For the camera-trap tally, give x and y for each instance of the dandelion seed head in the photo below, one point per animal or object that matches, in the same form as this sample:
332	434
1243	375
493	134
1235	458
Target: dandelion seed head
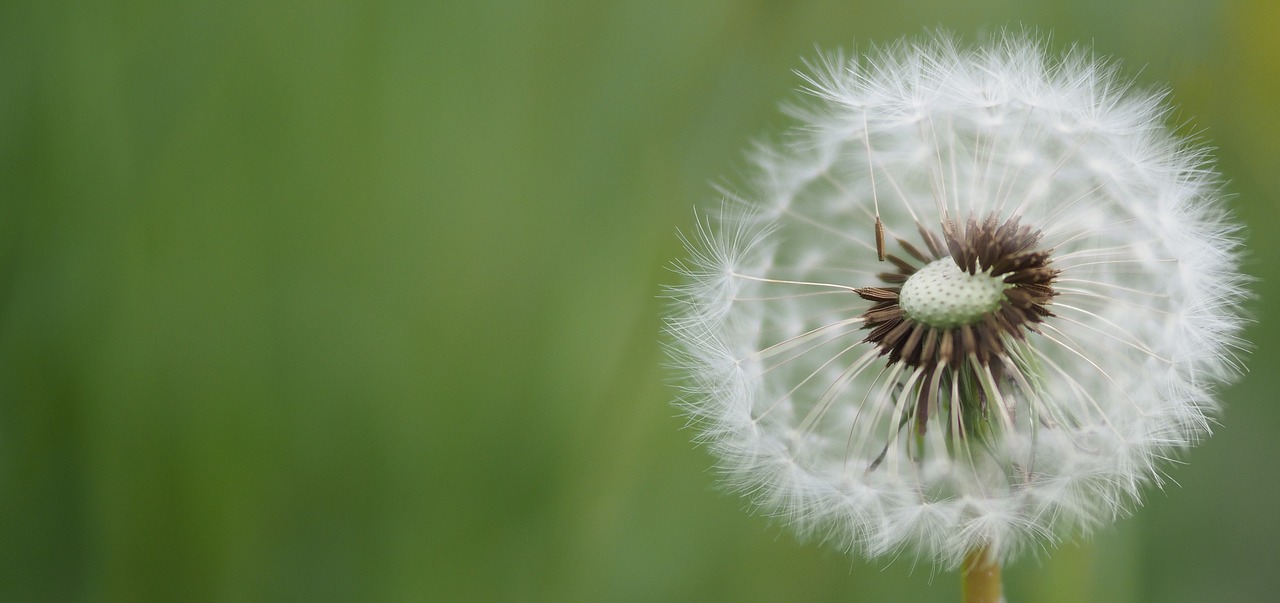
1056	307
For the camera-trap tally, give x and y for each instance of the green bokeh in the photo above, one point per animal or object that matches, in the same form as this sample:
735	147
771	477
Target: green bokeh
338	301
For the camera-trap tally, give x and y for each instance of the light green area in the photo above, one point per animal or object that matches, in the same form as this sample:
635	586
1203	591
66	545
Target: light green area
341	301
944	296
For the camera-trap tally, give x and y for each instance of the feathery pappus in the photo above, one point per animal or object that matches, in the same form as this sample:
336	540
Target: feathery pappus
974	299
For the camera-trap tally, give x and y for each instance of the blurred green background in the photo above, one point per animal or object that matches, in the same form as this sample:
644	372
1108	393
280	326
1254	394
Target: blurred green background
336	301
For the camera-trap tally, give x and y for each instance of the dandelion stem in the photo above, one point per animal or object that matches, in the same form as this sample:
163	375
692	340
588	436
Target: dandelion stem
980	577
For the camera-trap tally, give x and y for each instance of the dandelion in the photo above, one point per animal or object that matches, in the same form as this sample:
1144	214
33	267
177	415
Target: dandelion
969	307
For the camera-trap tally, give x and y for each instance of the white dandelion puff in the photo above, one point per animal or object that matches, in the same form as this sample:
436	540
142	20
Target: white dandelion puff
973	302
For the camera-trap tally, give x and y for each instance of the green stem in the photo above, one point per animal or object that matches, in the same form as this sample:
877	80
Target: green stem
980	577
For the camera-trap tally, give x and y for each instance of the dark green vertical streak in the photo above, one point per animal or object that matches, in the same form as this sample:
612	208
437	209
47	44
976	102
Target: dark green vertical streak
65	163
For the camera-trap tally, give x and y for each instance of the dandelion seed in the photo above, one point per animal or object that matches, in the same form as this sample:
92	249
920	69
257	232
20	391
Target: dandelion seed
1056	305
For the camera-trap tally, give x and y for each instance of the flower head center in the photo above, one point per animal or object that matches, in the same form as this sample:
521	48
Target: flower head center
943	296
